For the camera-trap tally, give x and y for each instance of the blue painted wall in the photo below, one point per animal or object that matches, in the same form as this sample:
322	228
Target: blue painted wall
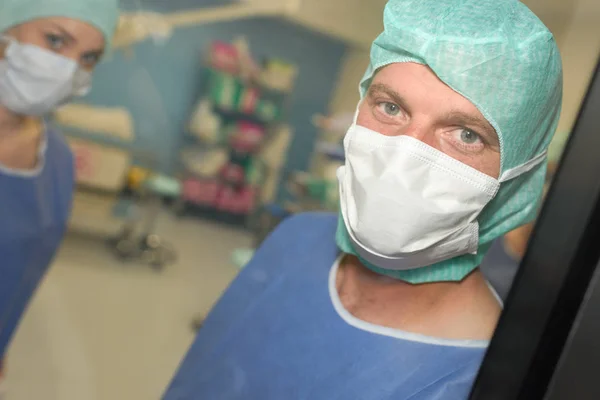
172	5
161	84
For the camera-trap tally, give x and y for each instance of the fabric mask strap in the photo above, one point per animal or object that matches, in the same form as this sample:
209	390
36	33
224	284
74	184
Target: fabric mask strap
523	168
355	120
5	39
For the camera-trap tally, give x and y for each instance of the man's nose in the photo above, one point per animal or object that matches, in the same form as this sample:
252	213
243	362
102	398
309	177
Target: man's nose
420	131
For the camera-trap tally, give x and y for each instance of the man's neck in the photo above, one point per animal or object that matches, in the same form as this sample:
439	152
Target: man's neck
451	310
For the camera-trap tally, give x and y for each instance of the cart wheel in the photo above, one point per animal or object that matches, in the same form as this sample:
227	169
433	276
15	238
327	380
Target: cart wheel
158	259
126	249
158	266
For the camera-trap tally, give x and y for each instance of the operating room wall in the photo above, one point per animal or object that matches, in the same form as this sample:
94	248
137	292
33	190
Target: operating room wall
345	96
161	84
577	33
171	5
580	47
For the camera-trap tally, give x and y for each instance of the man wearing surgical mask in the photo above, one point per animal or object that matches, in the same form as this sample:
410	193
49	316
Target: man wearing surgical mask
48	51
386	301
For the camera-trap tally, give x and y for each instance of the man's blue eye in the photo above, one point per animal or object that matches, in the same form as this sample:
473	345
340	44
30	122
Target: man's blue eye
391	109
468	136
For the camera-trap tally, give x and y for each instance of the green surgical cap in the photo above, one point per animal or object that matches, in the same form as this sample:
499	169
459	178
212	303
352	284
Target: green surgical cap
501	57
103	14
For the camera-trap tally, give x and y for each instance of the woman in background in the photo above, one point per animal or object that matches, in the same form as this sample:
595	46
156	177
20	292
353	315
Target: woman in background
48	50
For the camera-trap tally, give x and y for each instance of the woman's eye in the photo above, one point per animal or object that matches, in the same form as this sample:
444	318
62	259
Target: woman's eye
89	60
55	42
469	137
390	109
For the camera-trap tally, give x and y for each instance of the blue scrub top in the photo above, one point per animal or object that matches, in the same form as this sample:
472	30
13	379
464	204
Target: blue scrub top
281	332
500	268
34	208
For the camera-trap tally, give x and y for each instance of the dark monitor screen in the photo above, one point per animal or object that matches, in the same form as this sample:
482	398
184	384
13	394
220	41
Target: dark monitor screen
555	273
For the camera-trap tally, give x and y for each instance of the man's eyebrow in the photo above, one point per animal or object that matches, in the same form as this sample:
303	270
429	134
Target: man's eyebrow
483	127
377	88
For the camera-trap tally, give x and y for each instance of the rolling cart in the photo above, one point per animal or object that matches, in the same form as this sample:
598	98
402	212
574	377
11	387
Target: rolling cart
142	209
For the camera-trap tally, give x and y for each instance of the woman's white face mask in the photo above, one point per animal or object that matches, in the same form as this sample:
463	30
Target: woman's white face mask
35	81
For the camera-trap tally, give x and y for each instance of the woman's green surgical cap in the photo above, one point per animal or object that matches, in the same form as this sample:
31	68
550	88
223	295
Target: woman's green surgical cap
103	14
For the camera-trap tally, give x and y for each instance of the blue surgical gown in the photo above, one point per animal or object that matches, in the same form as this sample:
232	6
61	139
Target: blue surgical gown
34	207
280	332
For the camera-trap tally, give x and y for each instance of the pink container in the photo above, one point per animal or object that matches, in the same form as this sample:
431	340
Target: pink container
245	200
236	201
226	199
200	192
84	163
224	56
247	137
233	173
249	100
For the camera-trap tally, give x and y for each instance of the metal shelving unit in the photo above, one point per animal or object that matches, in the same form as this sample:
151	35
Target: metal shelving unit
230	116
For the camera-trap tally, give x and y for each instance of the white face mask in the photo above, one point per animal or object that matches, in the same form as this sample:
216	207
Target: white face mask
407	205
35	81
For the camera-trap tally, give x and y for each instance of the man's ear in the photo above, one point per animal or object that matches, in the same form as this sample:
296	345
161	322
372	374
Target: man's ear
517	239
